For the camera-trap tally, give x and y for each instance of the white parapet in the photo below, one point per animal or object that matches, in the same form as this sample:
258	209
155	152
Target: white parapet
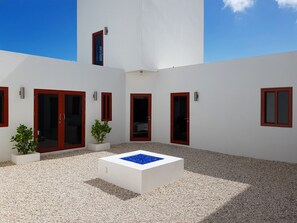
140	178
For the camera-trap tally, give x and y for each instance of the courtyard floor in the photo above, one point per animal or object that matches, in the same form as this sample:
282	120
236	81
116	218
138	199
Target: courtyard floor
215	188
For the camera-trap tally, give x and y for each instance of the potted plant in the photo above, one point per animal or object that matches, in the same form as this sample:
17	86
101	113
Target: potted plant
99	132
26	146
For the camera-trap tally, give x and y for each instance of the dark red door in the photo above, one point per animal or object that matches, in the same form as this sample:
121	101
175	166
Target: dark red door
140	117
180	118
59	119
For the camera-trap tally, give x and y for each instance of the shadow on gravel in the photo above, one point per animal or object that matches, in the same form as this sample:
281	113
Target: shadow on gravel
65	154
271	197
112	189
6	164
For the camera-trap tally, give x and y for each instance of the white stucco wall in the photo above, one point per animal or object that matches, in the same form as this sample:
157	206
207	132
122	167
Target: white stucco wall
140	83
122	46
143	34
172	33
31	72
226	118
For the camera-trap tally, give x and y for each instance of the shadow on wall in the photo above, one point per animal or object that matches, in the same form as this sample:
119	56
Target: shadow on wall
9	63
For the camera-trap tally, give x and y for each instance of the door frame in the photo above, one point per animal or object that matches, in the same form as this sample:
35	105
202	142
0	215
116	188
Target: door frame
132	96
172	140
61	110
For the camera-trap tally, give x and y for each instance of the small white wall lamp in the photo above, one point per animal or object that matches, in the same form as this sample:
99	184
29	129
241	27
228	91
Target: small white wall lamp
196	96
105	31
95	96
22	93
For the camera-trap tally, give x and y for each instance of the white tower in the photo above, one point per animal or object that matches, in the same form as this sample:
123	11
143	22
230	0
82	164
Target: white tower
142	34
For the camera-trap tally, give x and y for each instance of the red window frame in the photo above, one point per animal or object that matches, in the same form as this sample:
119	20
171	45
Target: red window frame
5	109
263	107
94	35
106	106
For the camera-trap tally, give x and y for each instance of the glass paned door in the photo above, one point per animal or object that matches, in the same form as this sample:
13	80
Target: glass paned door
59	119
140	127
73	120
48	120
180	118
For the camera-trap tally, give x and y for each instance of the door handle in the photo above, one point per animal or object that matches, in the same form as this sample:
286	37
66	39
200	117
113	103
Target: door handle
60	117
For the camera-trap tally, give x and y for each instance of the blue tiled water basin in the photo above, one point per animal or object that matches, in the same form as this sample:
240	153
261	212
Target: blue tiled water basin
141	159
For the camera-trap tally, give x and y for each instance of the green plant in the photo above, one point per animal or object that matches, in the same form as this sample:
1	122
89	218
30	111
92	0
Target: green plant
24	140
99	130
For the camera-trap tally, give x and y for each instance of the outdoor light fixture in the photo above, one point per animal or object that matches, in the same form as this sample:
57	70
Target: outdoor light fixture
196	96
22	93
95	96
105	31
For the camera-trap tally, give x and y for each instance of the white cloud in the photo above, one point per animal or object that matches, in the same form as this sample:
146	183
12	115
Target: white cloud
287	3
241	5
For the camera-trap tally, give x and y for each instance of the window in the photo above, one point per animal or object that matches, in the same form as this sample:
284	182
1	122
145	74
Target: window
276	107
97	50
106	106
3	106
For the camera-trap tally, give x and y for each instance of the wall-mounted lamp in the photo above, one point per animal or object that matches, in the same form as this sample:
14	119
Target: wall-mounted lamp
105	31
95	96
196	96
22	93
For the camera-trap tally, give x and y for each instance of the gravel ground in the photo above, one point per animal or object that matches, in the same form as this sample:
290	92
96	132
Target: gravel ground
215	188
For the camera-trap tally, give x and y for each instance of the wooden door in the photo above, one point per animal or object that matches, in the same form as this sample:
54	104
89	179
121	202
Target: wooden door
140	117
180	118
59	119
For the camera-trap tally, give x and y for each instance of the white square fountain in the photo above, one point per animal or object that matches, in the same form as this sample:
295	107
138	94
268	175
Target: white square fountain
140	171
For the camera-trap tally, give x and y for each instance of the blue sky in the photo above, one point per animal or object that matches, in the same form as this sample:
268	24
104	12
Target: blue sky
244	28
39	27
233	28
